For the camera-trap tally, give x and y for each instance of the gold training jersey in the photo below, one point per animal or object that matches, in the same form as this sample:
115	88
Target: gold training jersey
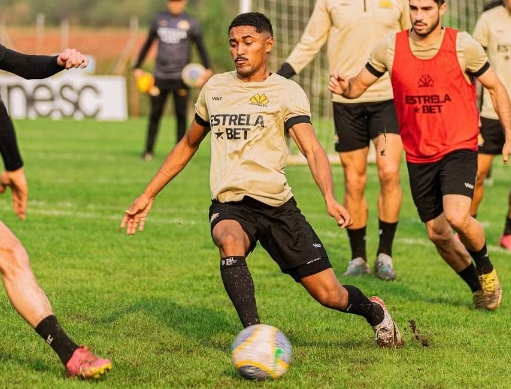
493	31
352	28
249	137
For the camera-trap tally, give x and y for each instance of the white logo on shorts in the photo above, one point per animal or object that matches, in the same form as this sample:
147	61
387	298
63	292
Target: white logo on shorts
469	185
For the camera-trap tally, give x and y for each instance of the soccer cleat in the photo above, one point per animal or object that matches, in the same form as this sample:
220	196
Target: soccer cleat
147	156
490	295
357	267
386	333
505	242
383	267
85	364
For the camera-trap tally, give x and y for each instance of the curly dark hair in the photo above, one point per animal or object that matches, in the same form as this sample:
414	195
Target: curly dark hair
255	19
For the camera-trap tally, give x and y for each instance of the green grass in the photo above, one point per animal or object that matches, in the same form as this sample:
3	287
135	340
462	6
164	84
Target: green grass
154	302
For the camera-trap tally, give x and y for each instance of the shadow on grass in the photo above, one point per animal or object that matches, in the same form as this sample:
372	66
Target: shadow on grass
201	324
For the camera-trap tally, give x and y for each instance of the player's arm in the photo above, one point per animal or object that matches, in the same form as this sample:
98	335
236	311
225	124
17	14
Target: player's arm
305	138
13	176
203	53
313	38
39	66
145	47
174	163
353	87
502	105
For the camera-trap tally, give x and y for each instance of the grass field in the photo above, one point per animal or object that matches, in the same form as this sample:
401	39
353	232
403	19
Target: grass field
154	302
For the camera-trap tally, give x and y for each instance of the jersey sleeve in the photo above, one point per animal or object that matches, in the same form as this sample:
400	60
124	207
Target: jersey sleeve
313	38
201	108
474	58
380	56
296	108
481	31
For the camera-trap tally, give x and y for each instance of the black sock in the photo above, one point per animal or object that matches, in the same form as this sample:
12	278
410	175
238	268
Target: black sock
239	286
358	243
50	330
469	275
507	229
482	260
387	232
359	304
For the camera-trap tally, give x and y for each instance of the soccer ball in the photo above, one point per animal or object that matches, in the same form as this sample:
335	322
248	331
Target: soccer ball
145	84
192	74
261	351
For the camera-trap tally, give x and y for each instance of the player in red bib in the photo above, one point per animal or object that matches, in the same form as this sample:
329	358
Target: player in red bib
432	70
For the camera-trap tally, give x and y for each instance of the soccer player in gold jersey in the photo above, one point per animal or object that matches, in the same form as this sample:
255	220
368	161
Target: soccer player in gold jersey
252	114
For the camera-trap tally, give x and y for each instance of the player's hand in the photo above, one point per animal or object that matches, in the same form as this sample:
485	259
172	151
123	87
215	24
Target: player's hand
506	152
339	213
137	73
337	84
136	214
72	58
17	181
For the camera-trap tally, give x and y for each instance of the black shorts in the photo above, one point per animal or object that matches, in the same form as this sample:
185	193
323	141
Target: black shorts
282	231
357	124
455	173
492	135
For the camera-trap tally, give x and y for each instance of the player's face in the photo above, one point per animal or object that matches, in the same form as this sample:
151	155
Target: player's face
425	16
176	7
249	50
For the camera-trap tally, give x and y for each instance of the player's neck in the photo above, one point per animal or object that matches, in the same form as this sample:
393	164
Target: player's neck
426	40
258	76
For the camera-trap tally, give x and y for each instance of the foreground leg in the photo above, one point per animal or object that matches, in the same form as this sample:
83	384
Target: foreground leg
389	200
354	164
32	304
233	243
326	289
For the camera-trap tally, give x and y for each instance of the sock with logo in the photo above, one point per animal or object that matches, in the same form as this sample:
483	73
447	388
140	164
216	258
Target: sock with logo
387	232
507	229
49	329
359	304
358	242
482	260
469	275
239	285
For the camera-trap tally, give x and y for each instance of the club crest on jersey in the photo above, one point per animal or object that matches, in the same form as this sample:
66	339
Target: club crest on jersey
260	100
426	81
385	4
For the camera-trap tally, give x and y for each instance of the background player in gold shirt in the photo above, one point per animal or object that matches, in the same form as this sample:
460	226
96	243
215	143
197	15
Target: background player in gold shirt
252	114
351	30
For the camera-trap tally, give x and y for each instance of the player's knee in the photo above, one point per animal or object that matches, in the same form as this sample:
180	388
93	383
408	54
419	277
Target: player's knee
355	184
459	221
229	241
388	175
439	236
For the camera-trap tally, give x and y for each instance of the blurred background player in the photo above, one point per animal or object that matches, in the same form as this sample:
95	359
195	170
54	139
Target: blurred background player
175	32
20	284
263	209
493	32
352	31
432	70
